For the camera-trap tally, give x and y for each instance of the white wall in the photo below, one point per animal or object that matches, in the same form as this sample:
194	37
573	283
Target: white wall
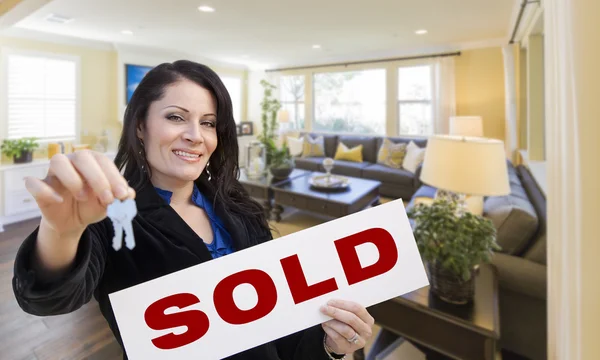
152	57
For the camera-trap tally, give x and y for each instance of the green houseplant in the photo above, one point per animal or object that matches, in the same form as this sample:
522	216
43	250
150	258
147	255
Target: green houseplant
282	163
452	243
21	150
278	160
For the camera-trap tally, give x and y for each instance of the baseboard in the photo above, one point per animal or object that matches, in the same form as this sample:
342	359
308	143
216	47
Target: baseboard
7	220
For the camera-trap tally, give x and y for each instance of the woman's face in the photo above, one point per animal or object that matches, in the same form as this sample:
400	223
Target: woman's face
180	133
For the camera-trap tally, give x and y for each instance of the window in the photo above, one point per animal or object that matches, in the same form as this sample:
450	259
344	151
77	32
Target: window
234	87
291	91
415	109
42	98
350	102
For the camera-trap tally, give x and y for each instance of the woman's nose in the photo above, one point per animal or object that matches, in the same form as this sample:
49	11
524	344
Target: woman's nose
194	133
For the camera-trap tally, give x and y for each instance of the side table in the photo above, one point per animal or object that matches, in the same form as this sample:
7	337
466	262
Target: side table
442	330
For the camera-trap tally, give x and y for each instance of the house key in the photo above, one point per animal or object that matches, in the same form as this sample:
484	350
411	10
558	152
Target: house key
121	214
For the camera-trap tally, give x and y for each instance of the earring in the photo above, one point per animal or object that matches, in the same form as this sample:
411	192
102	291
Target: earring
207	171
141	153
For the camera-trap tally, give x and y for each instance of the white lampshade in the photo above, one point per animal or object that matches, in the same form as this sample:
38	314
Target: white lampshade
467	165
466	126
283	116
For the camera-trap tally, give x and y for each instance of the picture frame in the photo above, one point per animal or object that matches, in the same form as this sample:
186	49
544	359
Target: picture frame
133	76
239	129
247	127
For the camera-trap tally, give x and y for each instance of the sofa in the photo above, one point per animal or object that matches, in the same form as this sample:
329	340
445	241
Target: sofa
395	183
520	219
522	275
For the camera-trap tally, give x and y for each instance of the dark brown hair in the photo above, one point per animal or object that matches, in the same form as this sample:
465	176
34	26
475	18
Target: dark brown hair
223	168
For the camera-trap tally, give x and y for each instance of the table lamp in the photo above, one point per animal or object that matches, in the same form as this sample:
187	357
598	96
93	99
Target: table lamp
283	116
458	166
466	126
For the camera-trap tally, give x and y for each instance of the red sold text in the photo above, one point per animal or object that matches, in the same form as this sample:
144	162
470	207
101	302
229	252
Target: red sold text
197	322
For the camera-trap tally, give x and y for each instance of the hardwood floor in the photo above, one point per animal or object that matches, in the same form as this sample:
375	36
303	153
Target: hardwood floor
82	334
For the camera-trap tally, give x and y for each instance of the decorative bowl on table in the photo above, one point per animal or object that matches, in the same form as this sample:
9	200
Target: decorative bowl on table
280	173
329	182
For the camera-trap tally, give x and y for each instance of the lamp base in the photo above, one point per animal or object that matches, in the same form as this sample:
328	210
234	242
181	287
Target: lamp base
457	198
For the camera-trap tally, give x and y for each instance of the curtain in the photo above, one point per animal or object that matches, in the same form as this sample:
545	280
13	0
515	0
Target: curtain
510	95
445	99
572	110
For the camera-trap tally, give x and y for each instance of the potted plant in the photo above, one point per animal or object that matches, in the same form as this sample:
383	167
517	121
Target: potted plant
282	163
452	243
278	160
21	150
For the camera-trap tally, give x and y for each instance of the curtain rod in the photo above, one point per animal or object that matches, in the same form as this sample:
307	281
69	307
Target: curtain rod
367	61
520	17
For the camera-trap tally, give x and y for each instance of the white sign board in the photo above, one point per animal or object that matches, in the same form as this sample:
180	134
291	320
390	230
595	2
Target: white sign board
271	290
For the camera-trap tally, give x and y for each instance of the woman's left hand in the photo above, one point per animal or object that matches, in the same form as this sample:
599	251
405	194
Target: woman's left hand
350	328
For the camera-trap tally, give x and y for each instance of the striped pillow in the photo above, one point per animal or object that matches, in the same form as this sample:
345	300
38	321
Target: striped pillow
391	155
313	147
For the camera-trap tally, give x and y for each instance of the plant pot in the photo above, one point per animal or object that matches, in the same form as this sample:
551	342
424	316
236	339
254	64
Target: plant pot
26	157
449	287
281	172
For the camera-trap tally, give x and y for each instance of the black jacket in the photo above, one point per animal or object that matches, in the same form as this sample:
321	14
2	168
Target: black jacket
164	244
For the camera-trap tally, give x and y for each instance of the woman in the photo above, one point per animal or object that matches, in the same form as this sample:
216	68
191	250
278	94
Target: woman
178	155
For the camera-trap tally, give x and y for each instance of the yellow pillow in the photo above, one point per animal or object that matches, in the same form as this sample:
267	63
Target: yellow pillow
391	154
313	147
343	153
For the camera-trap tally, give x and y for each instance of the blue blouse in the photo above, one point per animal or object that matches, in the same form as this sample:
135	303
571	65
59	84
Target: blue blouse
222	244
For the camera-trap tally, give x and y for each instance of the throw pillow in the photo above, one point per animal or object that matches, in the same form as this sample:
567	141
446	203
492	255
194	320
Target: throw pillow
313	147
414	157
353	154
390	154
295	145
515	220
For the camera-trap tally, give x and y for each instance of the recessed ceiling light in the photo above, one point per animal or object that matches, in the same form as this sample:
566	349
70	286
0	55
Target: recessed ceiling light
126	32
421	32
59	19
316	46
206	8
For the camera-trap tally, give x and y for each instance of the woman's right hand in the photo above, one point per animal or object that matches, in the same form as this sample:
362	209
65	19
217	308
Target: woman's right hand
77	190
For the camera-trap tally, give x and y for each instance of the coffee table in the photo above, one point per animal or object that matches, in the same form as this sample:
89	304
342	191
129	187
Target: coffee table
298	193
261	188
440	329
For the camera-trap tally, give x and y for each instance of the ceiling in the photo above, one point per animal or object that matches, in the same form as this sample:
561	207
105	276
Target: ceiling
276	33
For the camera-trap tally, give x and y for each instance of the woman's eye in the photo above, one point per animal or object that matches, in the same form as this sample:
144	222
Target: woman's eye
209	123
175	118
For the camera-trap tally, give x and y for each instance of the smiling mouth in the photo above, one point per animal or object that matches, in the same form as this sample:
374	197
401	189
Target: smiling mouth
187	156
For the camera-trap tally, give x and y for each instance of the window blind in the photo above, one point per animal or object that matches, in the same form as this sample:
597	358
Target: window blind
41	97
